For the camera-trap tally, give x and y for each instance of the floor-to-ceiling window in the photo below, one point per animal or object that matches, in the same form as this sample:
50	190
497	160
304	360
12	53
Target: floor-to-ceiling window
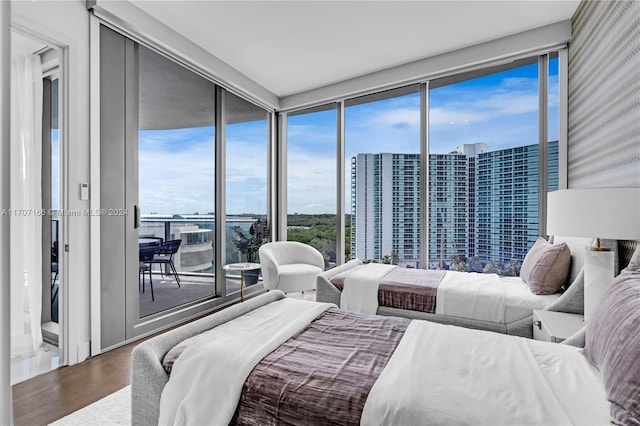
382	176
247	222
311	180
484	167
553	122
486	182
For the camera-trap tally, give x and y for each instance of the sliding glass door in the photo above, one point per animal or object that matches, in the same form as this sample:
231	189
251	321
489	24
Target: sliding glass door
176	184
166	134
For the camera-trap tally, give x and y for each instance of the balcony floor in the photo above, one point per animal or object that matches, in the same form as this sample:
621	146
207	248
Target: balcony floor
168	295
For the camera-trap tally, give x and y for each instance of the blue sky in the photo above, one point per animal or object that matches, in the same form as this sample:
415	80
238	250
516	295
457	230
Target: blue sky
176	167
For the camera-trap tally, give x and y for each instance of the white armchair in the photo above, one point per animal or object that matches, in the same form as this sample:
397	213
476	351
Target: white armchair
290	266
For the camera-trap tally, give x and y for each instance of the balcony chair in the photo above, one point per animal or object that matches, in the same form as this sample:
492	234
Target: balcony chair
164	256
290	266
145	258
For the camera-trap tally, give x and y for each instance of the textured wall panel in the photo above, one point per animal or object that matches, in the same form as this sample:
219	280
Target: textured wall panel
604	95
625	251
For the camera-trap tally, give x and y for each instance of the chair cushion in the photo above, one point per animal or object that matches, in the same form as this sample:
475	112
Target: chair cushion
297	277
546	266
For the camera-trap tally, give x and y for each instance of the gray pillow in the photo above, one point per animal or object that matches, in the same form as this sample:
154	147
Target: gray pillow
546	266
613	344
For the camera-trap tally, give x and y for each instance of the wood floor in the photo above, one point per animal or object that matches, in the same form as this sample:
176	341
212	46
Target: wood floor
51	396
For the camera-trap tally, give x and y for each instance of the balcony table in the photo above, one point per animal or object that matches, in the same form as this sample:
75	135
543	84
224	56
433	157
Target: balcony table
245	266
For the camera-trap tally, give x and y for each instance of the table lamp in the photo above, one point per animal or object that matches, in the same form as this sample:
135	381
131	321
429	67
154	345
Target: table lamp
611	213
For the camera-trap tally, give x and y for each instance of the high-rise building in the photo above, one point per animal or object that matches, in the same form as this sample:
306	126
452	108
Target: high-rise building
448	208
481	203
385	207
507	204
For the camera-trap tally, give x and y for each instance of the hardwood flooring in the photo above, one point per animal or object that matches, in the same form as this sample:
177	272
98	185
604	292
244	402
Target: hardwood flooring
53	395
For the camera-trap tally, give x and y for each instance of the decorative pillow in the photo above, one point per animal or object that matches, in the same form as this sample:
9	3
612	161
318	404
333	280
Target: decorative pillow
613	344
546	266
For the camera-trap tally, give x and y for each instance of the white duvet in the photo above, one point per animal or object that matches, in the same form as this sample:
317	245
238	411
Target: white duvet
471	295
447	375
360	290
483	297
206	380
438	375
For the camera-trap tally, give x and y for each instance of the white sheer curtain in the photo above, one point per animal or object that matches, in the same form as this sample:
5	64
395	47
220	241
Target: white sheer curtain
26	203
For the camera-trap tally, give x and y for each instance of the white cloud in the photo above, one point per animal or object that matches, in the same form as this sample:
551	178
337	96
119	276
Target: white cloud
397	117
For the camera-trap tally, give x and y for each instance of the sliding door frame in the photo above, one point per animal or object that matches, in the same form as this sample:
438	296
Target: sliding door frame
131	327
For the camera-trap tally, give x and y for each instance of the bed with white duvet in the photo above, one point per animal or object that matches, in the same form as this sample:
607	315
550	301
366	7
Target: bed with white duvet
437	374
475	300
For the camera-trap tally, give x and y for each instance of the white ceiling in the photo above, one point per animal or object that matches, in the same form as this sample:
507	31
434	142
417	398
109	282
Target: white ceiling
290	47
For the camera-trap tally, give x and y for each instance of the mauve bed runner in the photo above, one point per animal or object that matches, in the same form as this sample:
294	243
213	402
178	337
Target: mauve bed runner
403	288
324	374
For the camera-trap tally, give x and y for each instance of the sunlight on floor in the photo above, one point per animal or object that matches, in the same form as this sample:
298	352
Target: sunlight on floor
26	364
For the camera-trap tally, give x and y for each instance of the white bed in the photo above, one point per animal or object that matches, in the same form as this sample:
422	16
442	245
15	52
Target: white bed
438	374
485	301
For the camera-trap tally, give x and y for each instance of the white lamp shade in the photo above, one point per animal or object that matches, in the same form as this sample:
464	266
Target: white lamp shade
612	213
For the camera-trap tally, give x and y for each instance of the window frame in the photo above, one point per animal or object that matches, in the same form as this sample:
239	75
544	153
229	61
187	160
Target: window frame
434	80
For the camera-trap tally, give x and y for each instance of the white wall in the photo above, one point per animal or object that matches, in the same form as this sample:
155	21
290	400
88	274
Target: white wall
66	24
5	334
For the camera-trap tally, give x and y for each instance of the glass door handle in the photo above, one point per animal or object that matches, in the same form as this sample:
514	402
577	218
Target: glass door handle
136	216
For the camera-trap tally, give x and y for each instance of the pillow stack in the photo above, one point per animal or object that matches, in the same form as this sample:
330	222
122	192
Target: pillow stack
613	344
546	266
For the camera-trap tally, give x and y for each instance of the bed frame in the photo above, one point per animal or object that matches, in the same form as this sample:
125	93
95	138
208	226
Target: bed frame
572	300
148	377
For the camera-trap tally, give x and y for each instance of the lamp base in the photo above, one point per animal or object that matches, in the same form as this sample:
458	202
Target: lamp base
591	248
598	247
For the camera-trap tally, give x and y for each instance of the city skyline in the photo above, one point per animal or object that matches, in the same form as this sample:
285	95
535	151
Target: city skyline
481	203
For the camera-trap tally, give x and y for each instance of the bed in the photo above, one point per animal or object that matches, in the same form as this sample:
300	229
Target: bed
483	301
278	360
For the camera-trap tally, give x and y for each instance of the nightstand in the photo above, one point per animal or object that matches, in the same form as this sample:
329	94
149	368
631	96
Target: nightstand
555	327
